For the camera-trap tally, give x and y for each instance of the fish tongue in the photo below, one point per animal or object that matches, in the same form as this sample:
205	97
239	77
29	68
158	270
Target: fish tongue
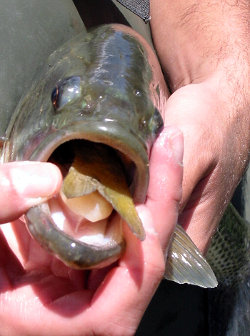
74	223
106	231
97	168
94	207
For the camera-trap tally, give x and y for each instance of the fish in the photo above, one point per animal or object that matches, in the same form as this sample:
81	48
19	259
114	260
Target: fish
229	257
100	93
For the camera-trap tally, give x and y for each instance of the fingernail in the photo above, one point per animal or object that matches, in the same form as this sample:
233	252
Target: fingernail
35	180
174	143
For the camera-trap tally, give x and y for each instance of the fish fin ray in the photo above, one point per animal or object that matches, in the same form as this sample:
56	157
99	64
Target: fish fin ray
185	264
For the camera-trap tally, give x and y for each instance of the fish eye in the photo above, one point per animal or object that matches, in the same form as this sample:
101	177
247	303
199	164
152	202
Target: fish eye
66	91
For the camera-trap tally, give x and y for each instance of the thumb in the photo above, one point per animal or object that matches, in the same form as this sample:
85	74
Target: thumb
165	186
25	184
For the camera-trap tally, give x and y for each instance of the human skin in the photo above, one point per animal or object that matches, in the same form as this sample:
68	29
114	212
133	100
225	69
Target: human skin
203	48
41	296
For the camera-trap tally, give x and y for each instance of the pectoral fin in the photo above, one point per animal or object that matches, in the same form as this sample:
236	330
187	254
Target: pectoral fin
185	264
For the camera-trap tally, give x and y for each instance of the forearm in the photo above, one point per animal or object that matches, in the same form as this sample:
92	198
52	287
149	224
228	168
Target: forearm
207	42
203	49
196	38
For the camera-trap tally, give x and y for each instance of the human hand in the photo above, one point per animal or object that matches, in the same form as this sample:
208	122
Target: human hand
215	156
26	184
202	47
41	296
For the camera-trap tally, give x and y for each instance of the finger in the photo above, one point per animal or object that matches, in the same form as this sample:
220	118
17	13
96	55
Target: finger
127	290
165	190
25	184
143	264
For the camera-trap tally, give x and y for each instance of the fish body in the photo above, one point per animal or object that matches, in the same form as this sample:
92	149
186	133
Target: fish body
229	256
103	87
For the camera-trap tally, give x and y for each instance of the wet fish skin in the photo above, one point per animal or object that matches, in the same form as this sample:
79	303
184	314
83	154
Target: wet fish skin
229	256
105	87
229	251
118	104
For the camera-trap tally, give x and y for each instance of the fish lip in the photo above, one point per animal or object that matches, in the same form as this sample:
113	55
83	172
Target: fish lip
108	132
73	253
39	219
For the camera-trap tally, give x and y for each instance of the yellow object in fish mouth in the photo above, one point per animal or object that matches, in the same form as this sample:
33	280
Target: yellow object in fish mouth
96	184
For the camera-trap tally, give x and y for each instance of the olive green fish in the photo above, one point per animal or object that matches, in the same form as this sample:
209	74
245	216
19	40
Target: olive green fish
229	256
100	90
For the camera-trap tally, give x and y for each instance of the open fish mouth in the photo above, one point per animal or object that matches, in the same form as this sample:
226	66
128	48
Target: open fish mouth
95	112
83	224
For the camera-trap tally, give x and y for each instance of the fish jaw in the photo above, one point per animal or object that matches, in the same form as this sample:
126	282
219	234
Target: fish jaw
40	222
73	253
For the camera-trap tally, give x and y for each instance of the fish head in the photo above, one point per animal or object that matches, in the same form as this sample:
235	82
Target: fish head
97	88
